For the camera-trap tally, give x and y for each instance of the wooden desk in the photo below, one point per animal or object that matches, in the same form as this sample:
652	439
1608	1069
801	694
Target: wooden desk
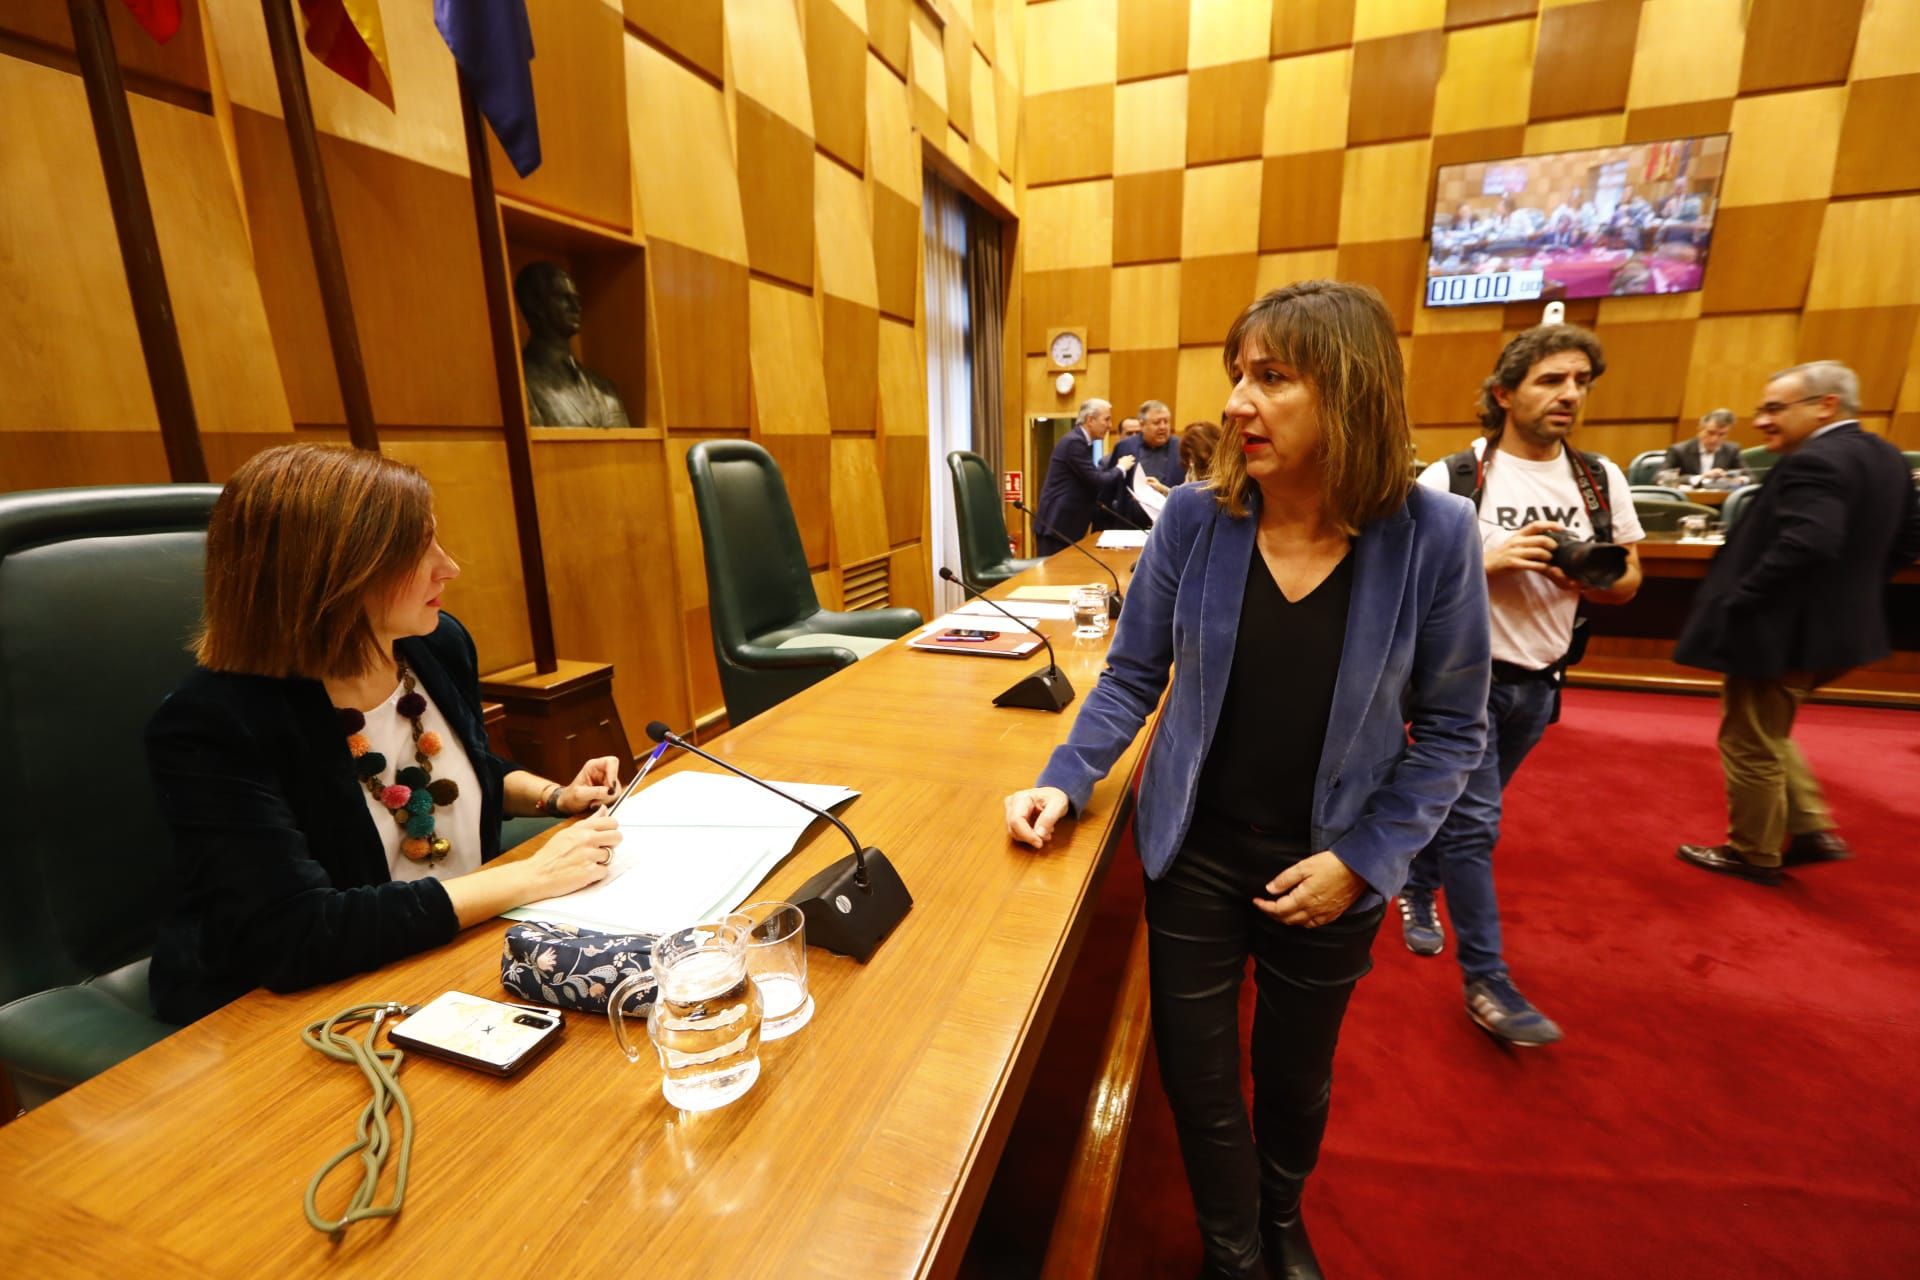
864	1150
1632	645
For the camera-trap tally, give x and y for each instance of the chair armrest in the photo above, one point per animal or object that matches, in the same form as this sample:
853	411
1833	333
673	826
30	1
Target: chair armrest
881	624
761	656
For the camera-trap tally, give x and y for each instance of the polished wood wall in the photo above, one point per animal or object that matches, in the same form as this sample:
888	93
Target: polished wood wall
1186	156
736	187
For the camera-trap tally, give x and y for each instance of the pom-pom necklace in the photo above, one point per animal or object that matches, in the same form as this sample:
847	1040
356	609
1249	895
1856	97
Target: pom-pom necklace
413	794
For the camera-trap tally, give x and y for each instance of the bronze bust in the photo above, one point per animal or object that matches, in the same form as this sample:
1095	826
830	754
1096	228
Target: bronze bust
560	391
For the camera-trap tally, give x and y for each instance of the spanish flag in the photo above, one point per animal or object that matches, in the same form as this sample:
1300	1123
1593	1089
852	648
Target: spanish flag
161	18
347	37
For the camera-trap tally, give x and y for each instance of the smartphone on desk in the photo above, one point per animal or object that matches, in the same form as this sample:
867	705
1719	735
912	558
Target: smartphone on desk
487	1035
964	635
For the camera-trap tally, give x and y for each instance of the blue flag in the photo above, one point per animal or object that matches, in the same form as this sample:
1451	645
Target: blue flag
493	44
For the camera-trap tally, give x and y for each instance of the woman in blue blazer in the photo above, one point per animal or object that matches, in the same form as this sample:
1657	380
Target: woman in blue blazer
1325	621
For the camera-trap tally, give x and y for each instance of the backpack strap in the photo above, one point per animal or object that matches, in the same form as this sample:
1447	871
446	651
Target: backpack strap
1463	476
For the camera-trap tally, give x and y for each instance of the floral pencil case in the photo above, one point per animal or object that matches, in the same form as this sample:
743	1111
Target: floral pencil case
573	968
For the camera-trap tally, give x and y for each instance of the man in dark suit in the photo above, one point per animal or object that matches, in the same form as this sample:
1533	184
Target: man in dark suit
1075	486
1795	599
1708	451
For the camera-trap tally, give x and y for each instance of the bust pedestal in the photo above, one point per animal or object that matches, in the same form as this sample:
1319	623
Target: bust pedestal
558	720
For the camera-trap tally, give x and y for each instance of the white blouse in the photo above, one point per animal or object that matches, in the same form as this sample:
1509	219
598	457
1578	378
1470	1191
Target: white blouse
391	734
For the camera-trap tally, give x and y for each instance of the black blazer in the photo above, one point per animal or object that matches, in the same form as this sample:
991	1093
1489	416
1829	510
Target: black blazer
1800	585
281	874
1685	457
1075	487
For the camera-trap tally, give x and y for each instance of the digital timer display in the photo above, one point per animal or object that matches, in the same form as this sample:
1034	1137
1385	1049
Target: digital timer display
1492	286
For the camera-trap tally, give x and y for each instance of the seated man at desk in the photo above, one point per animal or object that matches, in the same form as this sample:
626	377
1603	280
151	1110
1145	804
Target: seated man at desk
1708	452
325	769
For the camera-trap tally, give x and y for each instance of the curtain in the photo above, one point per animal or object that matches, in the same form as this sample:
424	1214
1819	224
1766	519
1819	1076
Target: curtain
986	298
950	377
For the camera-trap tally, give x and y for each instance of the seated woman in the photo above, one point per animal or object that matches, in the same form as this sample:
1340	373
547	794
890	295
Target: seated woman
1313	605
325	769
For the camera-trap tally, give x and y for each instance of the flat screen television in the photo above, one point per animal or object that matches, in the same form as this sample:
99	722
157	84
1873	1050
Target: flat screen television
1599	223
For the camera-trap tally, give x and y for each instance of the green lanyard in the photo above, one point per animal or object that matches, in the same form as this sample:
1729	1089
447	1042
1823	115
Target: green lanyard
375	1137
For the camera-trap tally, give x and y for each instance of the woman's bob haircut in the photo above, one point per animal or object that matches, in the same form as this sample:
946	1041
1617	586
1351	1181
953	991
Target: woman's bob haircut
1339	339
304	539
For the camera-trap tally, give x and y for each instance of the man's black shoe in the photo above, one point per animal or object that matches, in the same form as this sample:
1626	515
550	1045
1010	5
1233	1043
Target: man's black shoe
1815	846
1722	858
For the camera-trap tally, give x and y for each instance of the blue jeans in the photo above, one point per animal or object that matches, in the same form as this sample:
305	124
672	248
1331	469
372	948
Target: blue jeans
1459	858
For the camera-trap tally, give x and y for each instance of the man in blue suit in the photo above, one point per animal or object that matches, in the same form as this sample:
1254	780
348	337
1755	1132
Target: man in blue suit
1157	452
1795	598
1075	486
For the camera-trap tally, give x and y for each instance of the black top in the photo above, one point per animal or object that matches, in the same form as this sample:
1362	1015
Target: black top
1260	766
281	873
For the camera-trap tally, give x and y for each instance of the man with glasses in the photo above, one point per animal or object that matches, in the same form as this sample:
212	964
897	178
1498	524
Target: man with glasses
1795	599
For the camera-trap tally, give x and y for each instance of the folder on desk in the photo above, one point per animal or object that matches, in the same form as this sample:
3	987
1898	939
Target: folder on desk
1005	640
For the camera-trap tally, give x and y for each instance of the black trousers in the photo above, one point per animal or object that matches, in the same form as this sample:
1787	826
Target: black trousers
1202	925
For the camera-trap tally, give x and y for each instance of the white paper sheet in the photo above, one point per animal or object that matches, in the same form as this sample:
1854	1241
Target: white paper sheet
1039	610
961	619
1151	500
696	846
1120	539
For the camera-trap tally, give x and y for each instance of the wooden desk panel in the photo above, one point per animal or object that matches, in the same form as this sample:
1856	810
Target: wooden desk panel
864	1149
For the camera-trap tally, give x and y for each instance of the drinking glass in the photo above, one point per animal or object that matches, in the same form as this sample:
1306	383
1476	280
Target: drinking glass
1089	612
705	1025
1693	528
777	963
1669	479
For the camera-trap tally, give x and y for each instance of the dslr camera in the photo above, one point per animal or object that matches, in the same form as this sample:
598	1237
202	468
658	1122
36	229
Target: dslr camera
1589	563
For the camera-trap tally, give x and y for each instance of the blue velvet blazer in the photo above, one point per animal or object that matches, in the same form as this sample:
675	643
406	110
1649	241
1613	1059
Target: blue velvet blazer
1409	718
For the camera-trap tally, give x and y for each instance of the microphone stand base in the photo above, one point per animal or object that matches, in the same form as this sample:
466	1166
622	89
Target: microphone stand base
847	919
1046	690
1113	606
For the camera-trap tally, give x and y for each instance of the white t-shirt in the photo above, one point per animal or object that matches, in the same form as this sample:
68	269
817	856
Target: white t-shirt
1532	618
391	734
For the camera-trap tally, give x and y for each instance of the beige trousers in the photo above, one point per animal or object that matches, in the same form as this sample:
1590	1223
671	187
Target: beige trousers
1771	794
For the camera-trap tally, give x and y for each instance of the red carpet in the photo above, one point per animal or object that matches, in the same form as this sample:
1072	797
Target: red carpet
1739	1091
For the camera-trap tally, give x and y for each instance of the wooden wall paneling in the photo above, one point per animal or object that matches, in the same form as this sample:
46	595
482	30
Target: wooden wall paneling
910	578
850	340
1607	129
417	289
896	250
1071	43
1009	112
1300	198
700	310
1218	34
1074	298
1071	134
1680	120
776	166
1646	374
806	465
1478	144
696	32
956	45
1791	44
1467	13
1220	211
1687	50
783	339
859	502
683	156
1041	397
959	152
1621	441
146	65
468	472
1869	255
1146	307
836	79
1583	59
1488	80
1877	151
1069	225
1889	43
1147	213
927	79
1639	308
1222	123
1373	19
844	239
767	60
889	32
1784	146
1149	128
1151	39
1139	376
1430	444
893	157
702	673
425	123
1307	28
1306	103
611	578
580	91
1762	256
1370	171
986	118
902	382
904	476
61	458
1397	268
1733	356
1443	382
1460	320
1279	269
1213	292
1401	75
1873	341
1200	386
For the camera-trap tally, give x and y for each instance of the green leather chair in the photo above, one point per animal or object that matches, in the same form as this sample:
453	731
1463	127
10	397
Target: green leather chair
1736	503
1758	460
99	595
759	592
1663	515
1656	493
1645	466
984	559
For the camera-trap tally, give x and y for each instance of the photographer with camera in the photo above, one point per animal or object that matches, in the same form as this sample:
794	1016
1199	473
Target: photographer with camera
1556	527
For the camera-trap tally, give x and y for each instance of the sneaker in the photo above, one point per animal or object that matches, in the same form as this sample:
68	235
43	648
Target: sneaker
1497	1005
1420	923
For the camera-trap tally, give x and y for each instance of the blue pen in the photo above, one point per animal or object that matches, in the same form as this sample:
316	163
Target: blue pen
646	767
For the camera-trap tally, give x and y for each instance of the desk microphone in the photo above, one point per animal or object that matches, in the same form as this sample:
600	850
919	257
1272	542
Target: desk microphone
1123	519
1047	690
854	903
1113	601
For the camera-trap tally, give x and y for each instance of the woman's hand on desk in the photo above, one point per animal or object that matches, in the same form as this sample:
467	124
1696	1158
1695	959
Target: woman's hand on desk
598	782
1031	814
1313	891
573	858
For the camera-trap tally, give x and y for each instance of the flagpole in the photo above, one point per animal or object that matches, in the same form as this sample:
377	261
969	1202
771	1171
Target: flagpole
322	236
139	243
506	368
